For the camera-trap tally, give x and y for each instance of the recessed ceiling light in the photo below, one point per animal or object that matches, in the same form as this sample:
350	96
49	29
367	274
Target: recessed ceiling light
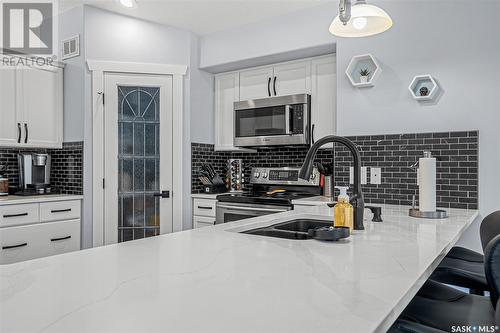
128	3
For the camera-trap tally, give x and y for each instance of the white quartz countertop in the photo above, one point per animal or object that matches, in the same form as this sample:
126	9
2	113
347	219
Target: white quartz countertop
215	279
210	196
17	199
314	201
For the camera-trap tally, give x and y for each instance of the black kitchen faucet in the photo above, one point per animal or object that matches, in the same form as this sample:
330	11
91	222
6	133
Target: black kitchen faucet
356	199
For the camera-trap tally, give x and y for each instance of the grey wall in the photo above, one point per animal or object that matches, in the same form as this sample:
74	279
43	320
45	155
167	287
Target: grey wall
287	37
71	24
460	56
109	36
431	37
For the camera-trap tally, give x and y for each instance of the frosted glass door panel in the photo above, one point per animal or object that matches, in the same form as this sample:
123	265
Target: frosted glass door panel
138	162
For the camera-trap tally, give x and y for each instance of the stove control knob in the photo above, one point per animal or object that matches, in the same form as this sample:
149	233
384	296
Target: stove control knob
256	175
264	175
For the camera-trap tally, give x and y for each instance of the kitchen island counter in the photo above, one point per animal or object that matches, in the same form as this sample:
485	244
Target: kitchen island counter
216	279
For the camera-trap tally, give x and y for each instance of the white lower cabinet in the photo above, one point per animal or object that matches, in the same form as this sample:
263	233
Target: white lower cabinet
204	211
201	221
41	229
38	240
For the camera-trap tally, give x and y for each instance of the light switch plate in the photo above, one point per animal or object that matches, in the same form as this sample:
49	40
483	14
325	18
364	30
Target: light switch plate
351	175
364	175
376	176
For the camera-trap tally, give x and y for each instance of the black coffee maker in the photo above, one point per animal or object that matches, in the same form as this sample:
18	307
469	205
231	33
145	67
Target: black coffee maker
34	173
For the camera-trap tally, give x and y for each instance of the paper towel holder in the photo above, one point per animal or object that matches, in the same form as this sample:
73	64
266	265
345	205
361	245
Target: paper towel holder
415	212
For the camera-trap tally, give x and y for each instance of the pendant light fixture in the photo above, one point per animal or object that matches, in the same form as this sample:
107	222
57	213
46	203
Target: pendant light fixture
359	20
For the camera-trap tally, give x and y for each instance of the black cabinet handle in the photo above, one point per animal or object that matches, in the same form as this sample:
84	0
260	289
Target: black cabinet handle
269	87
13	246
59	239
60	210
204	207
274	86
26	133
18	132
14	215
162	194
312	133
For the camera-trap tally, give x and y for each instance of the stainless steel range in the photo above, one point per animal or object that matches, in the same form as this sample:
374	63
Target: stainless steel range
273	190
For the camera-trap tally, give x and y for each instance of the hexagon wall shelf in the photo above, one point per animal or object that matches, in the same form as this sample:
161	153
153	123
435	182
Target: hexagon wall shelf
423	87
359	62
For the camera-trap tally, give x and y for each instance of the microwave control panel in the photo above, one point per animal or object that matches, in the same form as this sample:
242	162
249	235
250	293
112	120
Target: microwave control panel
298	119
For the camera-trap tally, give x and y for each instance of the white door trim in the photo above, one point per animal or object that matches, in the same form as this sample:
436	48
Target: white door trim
135	67
98	68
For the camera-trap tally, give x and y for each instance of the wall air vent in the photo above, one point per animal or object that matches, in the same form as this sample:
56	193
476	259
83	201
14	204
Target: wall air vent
71	47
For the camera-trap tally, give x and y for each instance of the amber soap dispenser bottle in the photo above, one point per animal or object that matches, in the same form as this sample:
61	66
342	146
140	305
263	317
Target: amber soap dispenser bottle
343	215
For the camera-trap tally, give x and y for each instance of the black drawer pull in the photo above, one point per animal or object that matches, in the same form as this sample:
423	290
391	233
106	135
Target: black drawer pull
59	239
204	207
13	246
61	210
14	215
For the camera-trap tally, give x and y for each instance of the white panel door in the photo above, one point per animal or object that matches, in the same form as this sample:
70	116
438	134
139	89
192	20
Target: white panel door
292	78
226	93
10	128
42	106
256	83
323	97
137	156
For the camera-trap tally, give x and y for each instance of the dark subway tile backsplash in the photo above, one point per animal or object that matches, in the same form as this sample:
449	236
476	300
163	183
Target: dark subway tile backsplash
67	166
396	154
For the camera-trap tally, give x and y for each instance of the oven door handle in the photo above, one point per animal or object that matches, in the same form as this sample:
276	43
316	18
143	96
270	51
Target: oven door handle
252	209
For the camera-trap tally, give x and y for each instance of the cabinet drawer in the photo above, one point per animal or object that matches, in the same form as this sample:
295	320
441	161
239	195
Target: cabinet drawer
60	237
18	243
59	210
11	215
38	240
204	207
201	221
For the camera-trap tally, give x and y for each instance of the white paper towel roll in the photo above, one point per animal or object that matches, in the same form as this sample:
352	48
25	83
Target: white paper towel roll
427	184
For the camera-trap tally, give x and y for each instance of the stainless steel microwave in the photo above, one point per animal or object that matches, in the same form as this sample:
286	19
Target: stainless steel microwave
274	121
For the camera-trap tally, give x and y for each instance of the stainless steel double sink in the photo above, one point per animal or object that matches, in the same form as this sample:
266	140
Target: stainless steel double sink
293	229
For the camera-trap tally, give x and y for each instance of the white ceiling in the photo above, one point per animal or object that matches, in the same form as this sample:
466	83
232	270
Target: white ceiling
201	16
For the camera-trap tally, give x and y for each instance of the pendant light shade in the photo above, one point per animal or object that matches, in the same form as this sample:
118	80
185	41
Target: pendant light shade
366	20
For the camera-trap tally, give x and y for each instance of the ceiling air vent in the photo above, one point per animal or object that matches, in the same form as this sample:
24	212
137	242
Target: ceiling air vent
71	47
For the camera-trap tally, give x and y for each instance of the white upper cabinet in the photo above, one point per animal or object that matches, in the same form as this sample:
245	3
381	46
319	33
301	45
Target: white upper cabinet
10	126
292	78
280	80
323	97
42	106
256	83
226	93
314	76
32	107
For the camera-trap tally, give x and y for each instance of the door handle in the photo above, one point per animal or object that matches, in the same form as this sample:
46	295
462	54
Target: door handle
274	86
18	132
13	246
162	194
312	133
59	239
60	210
14	215
25	133
269	86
